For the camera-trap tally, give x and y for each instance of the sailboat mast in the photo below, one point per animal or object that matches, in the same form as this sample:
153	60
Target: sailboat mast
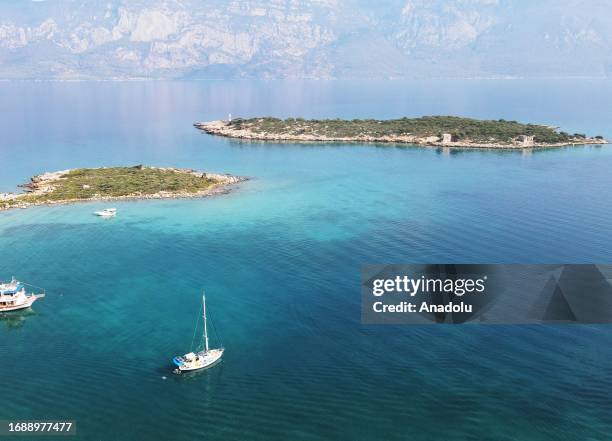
204	314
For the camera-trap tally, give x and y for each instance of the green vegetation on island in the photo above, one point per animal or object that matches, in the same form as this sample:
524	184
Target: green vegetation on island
431	130
459	128
115	183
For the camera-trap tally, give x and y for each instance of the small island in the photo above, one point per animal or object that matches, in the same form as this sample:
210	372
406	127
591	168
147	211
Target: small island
116	183
447	131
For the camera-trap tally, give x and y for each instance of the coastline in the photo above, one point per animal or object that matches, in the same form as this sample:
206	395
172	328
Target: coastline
44	184
223	128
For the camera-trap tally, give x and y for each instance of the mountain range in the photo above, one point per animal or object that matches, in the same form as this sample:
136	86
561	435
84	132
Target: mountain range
122	39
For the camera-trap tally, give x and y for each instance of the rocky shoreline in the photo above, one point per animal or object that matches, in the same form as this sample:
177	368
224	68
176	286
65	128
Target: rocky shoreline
224	128
45	184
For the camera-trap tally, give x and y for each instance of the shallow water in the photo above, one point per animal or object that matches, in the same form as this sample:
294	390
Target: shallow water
280	258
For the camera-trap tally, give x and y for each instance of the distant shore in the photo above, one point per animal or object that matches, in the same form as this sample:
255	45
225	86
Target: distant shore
441	131
116	184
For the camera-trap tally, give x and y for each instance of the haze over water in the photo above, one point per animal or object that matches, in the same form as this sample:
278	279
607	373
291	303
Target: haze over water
280	260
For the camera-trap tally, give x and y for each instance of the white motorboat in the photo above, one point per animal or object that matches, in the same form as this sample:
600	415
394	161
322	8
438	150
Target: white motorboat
107	212
13	296
202	359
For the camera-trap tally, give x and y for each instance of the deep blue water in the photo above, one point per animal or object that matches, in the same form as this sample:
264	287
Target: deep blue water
280	260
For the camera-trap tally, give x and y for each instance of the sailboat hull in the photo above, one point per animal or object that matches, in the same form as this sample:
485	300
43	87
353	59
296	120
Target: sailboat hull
199	361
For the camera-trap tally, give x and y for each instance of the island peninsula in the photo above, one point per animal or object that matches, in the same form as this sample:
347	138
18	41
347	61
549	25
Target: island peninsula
117	183
446	131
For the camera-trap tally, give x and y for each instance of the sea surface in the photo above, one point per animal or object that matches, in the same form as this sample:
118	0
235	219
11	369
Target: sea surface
280	261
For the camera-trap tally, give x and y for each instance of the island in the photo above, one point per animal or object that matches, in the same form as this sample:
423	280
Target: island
446	131
117	183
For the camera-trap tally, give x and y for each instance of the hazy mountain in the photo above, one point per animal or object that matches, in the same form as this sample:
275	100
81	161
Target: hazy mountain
305	38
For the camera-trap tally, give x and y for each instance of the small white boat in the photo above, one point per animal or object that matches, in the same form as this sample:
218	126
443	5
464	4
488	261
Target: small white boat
13	296
107	212
202	359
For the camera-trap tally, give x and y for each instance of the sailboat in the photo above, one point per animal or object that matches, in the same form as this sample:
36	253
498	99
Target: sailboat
203	359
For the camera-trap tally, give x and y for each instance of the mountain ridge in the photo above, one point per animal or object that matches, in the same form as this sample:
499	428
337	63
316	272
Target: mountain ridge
201	39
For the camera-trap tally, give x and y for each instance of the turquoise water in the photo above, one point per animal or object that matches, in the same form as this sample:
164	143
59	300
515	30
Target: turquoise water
280	258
